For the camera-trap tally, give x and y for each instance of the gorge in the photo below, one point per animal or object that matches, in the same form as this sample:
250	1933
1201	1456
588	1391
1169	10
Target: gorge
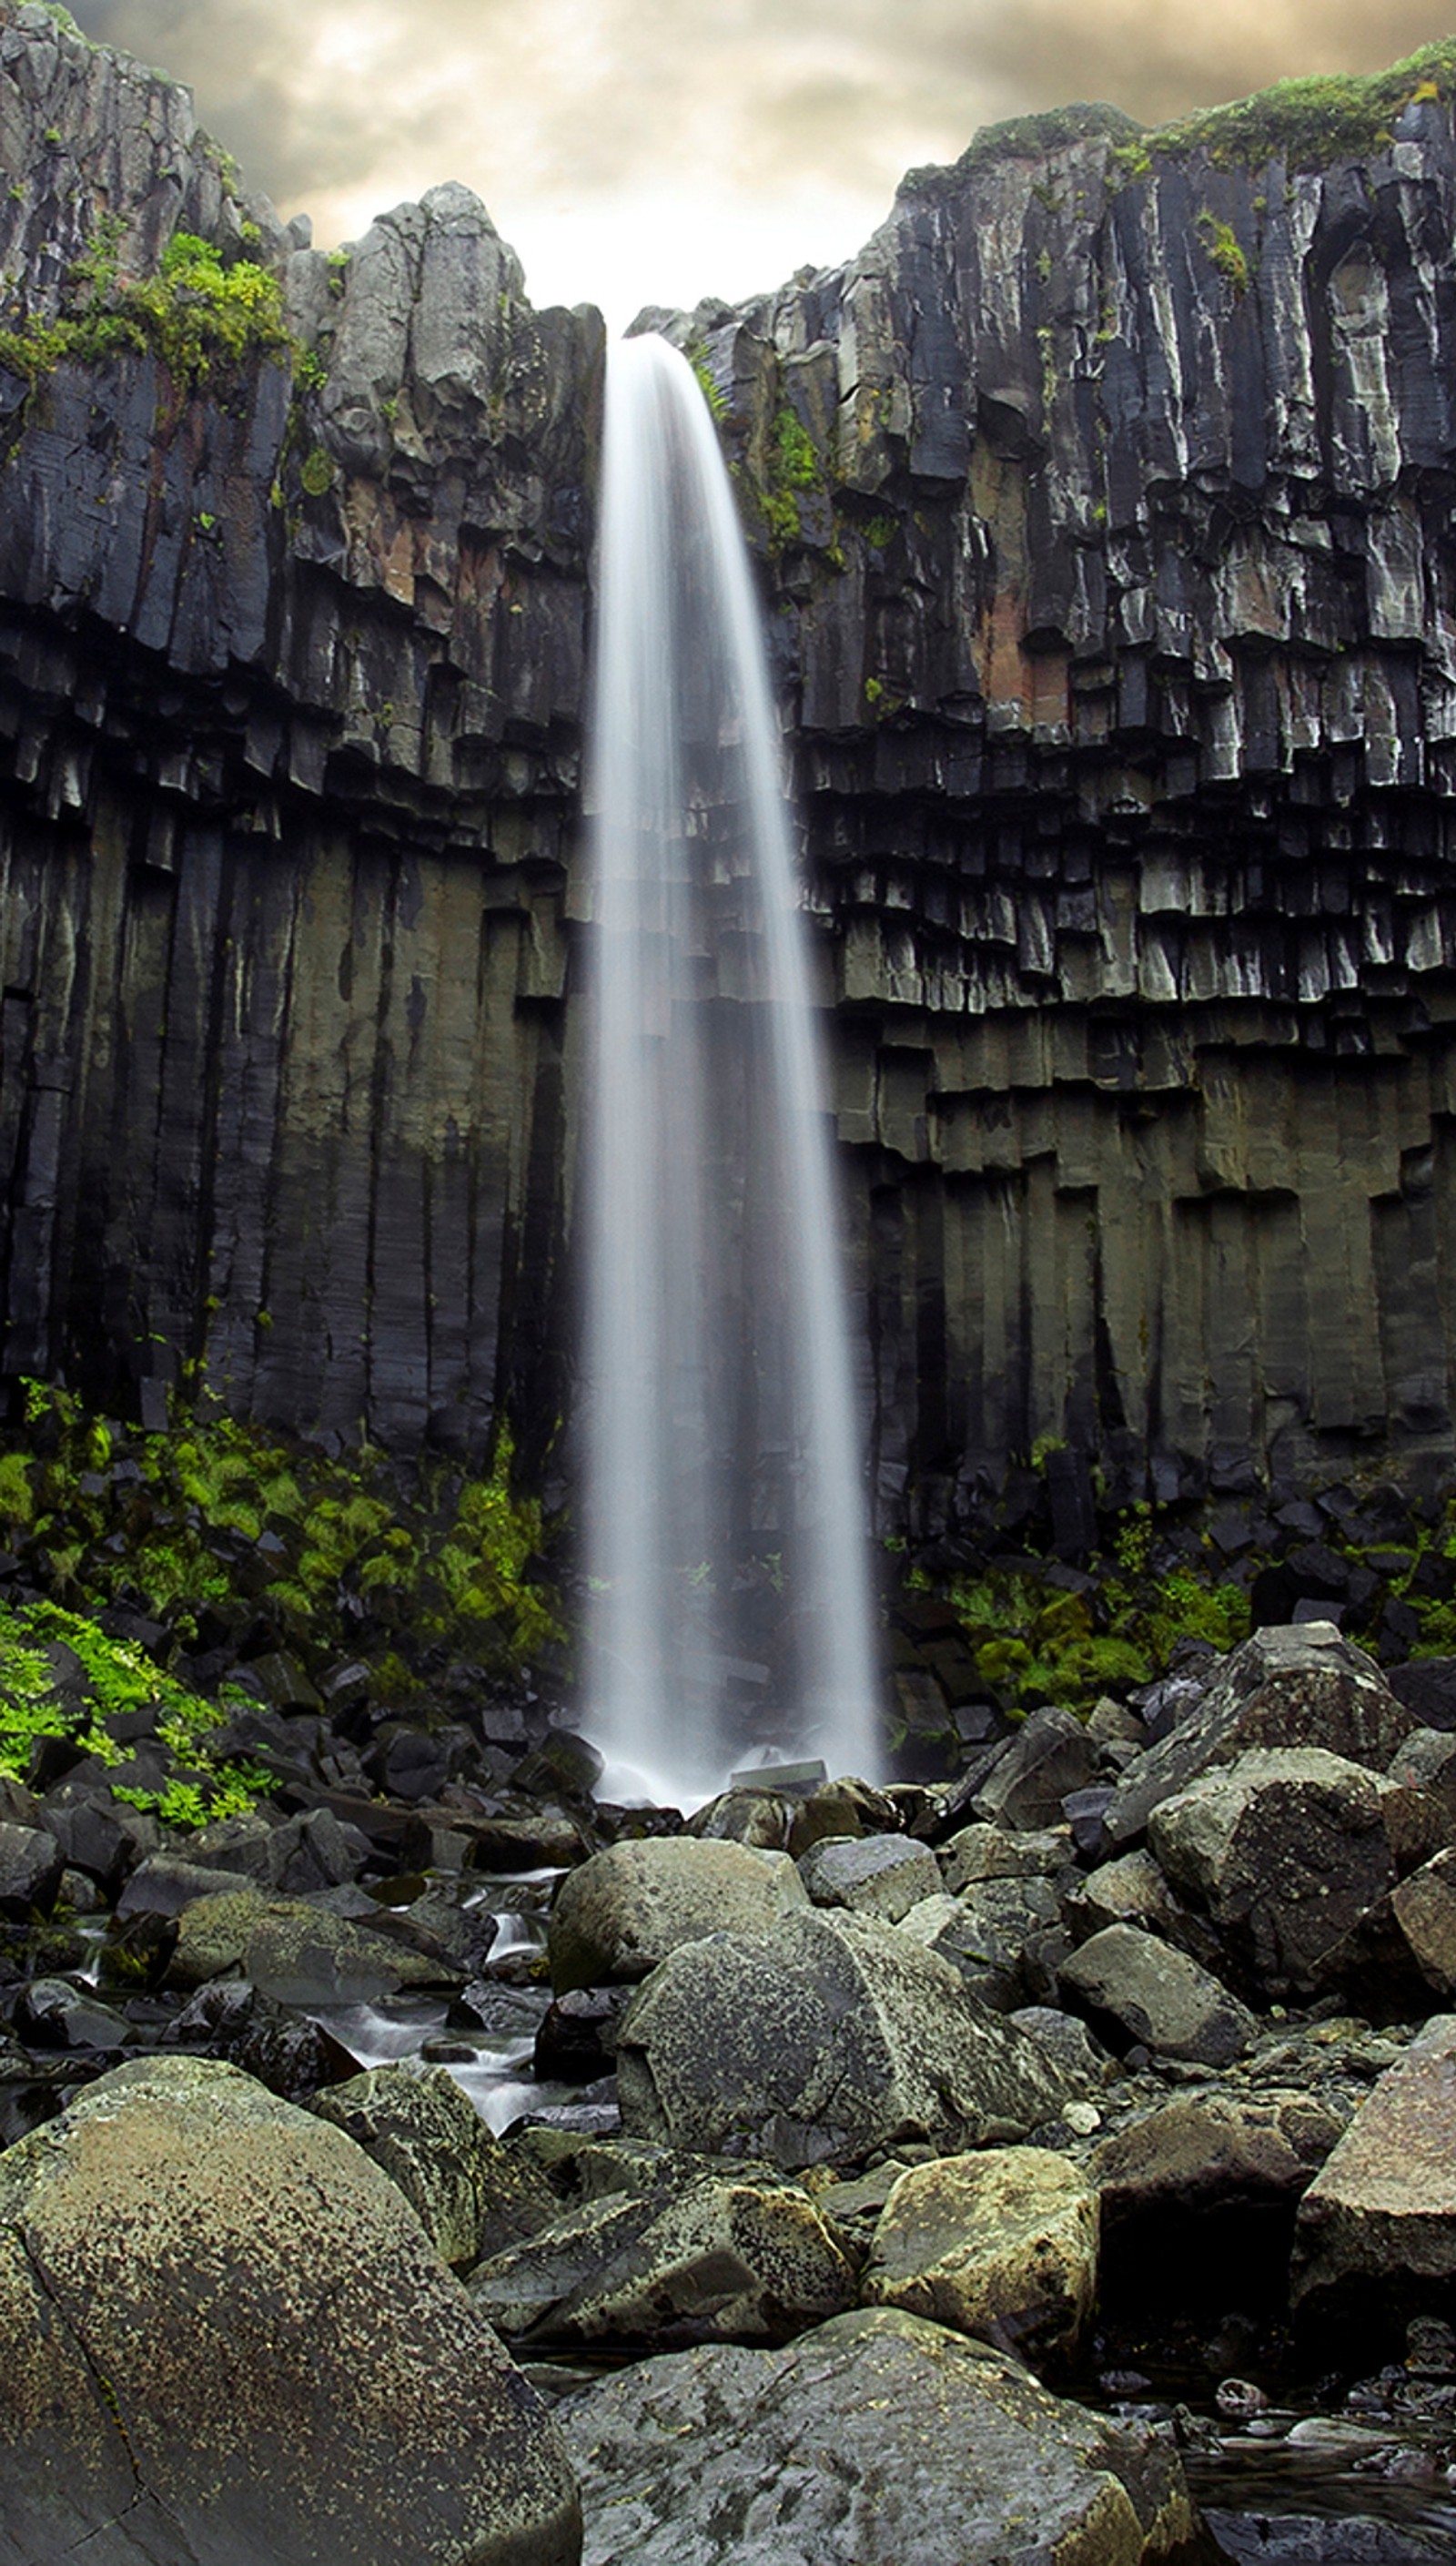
1101	505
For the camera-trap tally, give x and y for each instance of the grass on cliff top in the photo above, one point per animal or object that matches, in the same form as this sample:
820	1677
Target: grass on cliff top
1308	122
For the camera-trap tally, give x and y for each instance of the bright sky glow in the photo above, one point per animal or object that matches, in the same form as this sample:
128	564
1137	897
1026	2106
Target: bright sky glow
639	151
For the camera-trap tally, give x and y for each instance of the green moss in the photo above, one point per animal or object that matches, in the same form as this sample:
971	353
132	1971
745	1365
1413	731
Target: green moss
196	314
317	472
1225	251
881	532
362	1557
118	1679
1032	137
697	357
1305	123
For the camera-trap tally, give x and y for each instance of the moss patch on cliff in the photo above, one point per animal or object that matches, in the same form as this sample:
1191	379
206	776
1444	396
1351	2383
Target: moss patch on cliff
197	313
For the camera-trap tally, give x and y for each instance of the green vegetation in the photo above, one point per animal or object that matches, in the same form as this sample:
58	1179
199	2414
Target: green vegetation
793	467
62	1677
351	1552
316	471
197	314
1225	251
1028	138
697	357
1305	123
1033	1641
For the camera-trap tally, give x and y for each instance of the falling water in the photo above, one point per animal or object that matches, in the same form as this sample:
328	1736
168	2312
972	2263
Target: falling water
727	1540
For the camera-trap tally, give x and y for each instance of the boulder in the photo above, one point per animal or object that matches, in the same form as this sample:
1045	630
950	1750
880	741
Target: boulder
1004	1938
224	2336
985	1852
1050	1755
828	2036
883	1875
1424	1908
877	2440
470	2193
1375	2238
298	1953
31	1866
701	2254
1198	2198
1425	1760
1001	2244
1293	1685
625	1909
1158	1996
1288	1851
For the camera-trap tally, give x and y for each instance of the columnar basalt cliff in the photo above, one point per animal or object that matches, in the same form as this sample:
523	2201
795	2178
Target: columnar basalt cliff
1103	509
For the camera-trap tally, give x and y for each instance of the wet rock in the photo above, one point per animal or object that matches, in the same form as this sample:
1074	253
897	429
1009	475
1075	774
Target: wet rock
1001	2244
704	2255
1376	2239
230	2019
1286	1850
577	2039
1158	1996
875	2439
355	2366
1286	1687
883	1875
621	1912
830	2035
55	2015
165	1882
471	2195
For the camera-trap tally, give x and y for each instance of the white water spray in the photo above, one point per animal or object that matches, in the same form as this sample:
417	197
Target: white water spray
727	1536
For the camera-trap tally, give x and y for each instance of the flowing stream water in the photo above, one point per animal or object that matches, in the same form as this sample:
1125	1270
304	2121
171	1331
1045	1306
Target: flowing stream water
727	1539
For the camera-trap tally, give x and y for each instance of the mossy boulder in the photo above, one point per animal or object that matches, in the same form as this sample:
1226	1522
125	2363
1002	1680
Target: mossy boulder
225	2336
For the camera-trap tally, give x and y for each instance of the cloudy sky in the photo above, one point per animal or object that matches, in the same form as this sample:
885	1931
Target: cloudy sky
655	151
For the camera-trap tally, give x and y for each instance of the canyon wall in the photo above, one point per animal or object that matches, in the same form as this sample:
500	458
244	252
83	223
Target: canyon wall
1104	513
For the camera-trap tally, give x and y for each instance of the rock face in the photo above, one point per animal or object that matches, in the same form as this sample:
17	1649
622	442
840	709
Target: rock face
1100	501
227	2337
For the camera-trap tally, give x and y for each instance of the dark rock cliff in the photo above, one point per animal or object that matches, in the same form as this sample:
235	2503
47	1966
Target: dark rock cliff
1104	510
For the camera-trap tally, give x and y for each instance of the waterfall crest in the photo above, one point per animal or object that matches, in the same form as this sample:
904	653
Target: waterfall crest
727	1540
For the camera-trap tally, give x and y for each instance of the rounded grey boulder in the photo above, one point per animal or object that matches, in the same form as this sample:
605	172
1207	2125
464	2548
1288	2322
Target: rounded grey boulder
624	1910
225	2337
828	2036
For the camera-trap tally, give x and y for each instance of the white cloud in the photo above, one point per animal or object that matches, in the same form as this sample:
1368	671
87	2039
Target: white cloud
640	150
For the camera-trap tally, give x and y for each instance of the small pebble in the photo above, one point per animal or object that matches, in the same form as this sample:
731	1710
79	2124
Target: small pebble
1240	2398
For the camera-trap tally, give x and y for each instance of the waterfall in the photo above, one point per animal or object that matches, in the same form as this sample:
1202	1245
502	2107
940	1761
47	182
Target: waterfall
727	1540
